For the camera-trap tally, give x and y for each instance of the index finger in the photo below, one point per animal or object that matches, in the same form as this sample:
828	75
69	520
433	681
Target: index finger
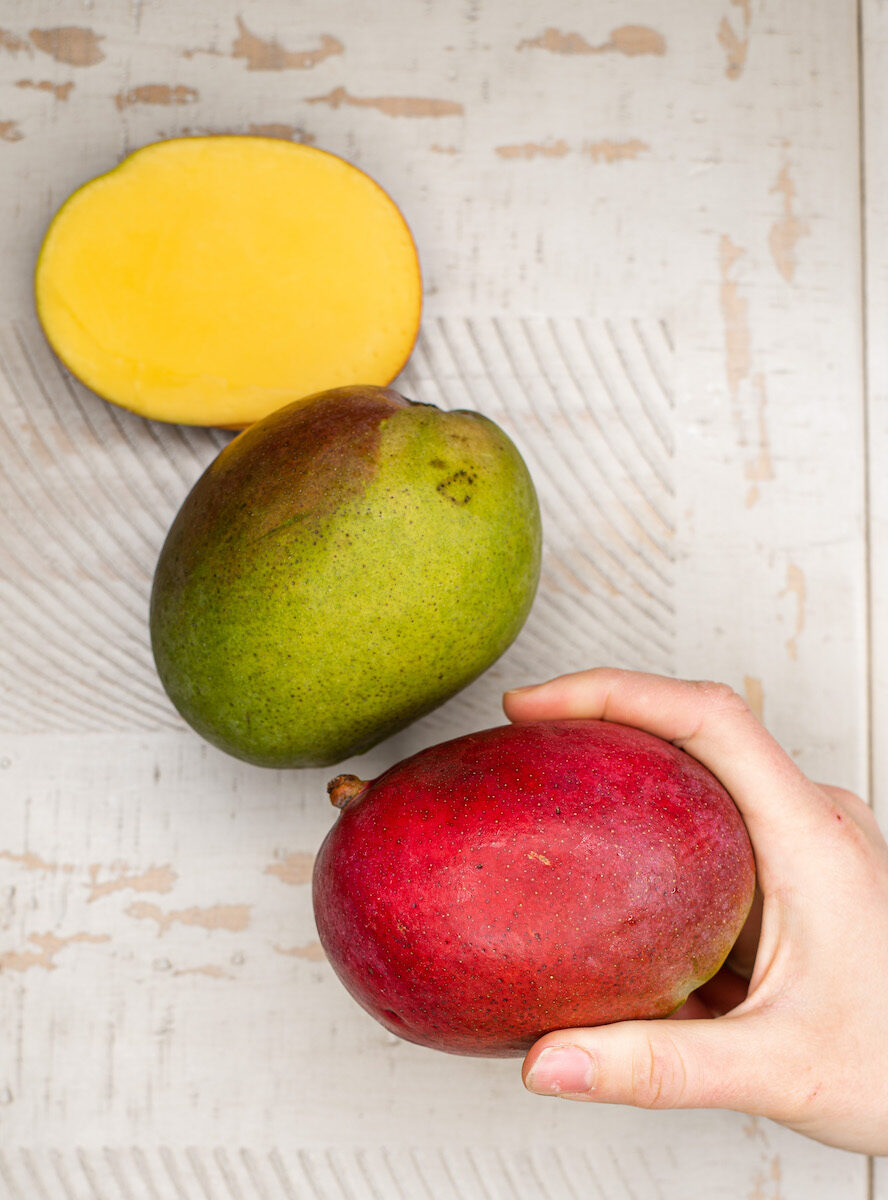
708	720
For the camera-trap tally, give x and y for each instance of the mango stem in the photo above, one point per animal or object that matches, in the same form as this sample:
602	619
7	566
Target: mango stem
345	789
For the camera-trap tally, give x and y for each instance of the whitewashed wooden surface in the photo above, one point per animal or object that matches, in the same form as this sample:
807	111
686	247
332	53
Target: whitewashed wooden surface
640	228
874	95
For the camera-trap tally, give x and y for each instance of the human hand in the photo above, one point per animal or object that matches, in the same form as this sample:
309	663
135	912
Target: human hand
803	1038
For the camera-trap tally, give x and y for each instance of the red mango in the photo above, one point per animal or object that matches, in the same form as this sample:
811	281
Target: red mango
528	878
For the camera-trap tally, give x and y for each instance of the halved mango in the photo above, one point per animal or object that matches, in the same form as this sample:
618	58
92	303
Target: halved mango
210	280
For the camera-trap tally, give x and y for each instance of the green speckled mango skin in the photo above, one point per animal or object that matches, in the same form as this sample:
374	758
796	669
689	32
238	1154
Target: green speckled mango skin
343	567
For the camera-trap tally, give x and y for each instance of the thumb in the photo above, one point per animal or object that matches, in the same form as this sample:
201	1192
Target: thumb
652	1064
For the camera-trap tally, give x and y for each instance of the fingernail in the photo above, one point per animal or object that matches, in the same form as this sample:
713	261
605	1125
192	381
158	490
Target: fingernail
561	1070
529	687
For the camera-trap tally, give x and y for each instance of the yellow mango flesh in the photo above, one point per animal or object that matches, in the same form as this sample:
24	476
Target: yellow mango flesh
211	280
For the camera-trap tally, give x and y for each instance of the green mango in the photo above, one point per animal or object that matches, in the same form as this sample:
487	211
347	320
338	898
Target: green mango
344	566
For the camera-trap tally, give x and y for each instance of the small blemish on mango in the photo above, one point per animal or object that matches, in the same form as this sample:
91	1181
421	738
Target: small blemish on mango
539	858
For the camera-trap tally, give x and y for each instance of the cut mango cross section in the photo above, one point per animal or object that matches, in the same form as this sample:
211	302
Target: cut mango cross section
211	280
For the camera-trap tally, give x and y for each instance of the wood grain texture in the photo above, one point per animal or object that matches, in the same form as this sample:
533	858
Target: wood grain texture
639	229
874	94
331	1173
875	42
373	1173
88	491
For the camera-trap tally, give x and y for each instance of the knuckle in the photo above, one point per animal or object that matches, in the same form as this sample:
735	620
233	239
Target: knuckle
606	675
847	812
720	695
659	1075
850	802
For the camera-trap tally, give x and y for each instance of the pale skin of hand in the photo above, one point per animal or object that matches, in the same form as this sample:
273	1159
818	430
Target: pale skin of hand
798	1030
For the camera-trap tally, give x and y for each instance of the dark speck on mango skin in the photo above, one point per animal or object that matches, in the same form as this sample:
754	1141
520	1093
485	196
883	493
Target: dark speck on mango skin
343	567
466	911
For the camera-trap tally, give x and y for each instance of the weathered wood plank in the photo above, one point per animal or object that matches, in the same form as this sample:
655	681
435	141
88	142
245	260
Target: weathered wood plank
874	16
640	237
